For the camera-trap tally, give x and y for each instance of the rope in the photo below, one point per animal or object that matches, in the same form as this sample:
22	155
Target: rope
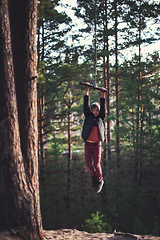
95	42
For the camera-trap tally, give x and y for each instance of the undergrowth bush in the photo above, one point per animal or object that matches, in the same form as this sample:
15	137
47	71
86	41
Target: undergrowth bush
95	224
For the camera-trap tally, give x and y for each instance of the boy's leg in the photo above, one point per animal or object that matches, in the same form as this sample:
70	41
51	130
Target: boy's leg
97	160
97	165
88	150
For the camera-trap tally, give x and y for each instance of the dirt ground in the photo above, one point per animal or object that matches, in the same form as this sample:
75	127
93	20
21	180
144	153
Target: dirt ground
73	234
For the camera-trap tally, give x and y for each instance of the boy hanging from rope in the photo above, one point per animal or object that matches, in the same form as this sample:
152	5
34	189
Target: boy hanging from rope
93	134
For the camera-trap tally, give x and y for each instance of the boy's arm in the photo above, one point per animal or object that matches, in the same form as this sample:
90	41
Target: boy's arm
102	112
86	90
86	107
103	94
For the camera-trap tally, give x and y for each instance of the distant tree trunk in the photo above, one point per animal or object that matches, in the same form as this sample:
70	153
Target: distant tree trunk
69	148
19	185
41	106
117	86
138	159
38	44
105	85
43	41
69	102
106	75
108	86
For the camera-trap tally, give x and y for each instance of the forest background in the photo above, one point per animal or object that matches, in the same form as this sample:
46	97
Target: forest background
129	201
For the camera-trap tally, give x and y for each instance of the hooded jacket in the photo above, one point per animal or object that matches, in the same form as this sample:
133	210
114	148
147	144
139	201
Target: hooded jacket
90	119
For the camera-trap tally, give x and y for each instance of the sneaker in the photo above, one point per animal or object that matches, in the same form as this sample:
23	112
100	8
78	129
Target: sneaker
94	182
99	186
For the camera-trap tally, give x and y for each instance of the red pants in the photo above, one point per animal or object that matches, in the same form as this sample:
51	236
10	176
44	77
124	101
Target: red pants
93	149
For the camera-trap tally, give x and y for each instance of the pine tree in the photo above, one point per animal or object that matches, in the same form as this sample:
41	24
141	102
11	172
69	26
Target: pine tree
19	194
49	42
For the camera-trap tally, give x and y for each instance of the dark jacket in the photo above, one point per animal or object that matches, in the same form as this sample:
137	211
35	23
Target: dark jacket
90	119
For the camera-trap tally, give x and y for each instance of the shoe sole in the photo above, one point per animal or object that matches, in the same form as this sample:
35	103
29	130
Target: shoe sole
100	188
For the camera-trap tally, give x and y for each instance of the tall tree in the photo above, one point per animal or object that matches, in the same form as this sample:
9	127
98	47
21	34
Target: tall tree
50	44
117	83
19	185
139	14
106	70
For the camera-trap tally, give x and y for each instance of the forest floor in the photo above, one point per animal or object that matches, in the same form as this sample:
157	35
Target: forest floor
73	234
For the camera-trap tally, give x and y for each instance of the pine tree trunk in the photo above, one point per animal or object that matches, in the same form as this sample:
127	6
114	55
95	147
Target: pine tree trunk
69	150
41	108
106	74
108	87
117	87
19	185
138	159
69	104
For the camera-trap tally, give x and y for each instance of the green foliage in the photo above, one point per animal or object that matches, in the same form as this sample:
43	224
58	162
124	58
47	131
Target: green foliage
40	71
95	224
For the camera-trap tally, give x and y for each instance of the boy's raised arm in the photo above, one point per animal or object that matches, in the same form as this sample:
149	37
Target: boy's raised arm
103	93
86	107
86	90
102	112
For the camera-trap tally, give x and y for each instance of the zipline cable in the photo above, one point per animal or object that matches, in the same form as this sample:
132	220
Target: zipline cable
94	86
95	42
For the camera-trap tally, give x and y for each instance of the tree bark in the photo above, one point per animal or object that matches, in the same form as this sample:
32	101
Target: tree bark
69	104
107	82
139	155
19	184
41	106
69	150
117	87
